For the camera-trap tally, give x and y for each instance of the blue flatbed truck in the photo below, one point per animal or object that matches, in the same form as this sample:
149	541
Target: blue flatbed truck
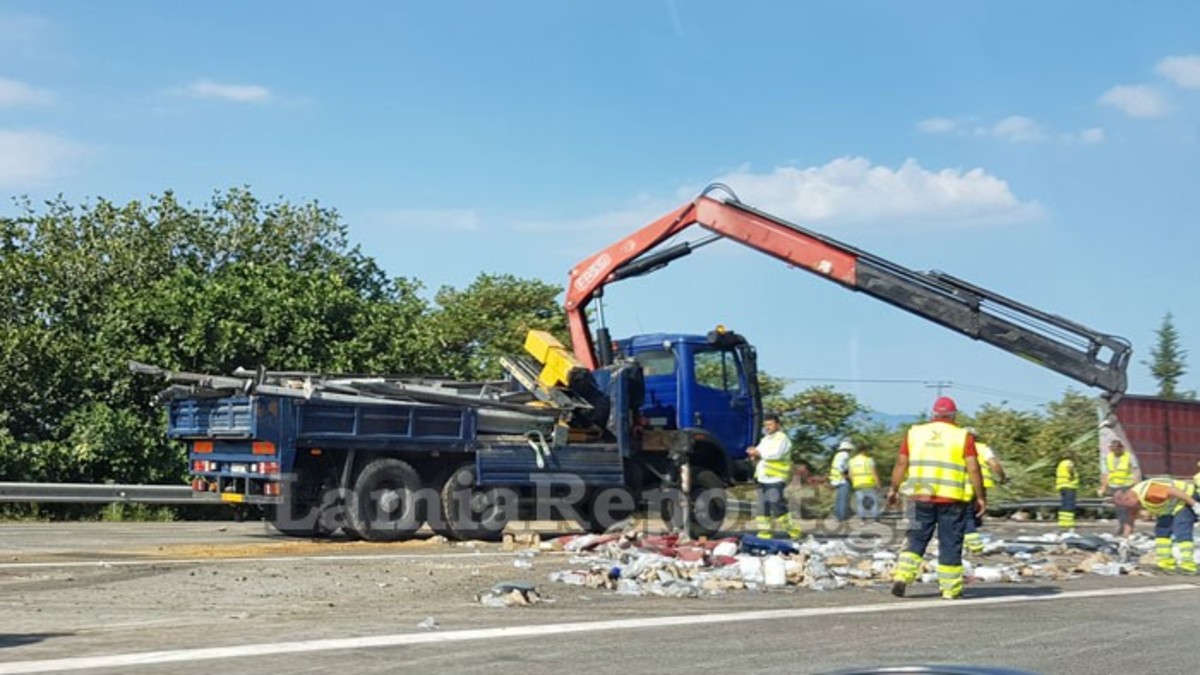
616	426
466	463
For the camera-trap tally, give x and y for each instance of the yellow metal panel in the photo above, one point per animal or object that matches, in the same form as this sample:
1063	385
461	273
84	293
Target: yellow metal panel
232	497
557	362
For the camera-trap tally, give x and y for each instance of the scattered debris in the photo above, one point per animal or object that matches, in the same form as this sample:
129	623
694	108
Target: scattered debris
429	623
634	563
510	594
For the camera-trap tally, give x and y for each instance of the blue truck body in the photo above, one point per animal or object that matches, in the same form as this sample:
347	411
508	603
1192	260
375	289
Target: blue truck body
674	398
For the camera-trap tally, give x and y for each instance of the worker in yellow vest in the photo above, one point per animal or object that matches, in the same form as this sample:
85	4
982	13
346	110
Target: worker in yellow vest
1196	478
936	461
1120	472
773	471
1066	483
839	480
1173	503
865	480
993	473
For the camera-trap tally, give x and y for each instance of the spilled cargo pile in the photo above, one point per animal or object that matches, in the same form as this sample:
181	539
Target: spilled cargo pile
638	564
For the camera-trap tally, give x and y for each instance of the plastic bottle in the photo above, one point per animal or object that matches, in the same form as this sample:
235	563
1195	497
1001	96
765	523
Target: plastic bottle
774	572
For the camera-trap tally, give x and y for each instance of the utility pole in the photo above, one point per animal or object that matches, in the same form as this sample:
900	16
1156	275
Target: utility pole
939	385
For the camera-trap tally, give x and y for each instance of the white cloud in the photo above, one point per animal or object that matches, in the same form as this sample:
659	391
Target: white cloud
32	157
853	190
938	125
445	220
1090	136
1013	129
1018	129
1182	70
15	93
1136	100
237	93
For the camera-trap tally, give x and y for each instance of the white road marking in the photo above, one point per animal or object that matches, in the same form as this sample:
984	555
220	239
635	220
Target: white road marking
540	631
149	562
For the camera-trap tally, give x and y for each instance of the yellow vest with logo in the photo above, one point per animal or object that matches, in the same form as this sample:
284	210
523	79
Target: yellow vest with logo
1065	477
1162	506
936	466
862	472
1120	470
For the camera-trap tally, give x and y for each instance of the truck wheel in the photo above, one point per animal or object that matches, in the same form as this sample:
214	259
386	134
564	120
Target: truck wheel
383	505
604	508
467	511
709	506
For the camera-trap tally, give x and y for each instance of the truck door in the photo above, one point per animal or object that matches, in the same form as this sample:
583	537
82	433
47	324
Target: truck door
718	400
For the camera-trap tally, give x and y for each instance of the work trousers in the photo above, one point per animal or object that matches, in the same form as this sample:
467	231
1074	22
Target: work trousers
866	503
1066	509
771	500
841	501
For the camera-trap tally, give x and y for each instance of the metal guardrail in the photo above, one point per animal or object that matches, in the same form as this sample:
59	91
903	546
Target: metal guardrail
112	493
99	493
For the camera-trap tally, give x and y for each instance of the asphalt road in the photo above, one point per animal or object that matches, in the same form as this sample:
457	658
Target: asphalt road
178	597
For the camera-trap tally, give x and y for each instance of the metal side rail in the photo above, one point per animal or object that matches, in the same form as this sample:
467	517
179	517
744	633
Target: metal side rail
102	493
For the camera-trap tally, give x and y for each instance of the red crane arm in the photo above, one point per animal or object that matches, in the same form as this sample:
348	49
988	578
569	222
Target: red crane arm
780	240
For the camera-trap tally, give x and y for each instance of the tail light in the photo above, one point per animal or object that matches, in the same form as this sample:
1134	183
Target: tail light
265	467
271	489
203	466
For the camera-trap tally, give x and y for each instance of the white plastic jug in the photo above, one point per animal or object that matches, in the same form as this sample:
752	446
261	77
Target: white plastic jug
774	571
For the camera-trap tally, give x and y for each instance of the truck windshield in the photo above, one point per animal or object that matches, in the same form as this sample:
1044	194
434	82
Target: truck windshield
656	362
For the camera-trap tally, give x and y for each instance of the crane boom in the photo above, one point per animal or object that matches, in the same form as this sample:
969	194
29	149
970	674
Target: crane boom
1072	349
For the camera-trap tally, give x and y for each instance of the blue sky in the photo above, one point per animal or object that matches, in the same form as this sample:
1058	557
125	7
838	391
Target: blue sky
1047	151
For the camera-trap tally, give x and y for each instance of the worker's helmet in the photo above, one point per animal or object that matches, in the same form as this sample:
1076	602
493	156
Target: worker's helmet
944	407
847	445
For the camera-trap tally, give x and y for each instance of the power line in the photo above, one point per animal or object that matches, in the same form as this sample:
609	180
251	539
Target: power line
940	385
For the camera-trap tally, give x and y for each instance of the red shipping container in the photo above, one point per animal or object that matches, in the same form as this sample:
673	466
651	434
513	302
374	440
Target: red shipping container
1164	434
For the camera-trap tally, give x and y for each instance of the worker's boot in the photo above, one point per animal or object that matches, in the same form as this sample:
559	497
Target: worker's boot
907	567
785	523
950	581
973	542
1187	557
1164	556
1066	520
763	523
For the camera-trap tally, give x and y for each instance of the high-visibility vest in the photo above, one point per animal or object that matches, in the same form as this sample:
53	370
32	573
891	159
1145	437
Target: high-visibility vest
862	472
936	466
1065	477
774	470
1120	471
1153	496
986	455
836	477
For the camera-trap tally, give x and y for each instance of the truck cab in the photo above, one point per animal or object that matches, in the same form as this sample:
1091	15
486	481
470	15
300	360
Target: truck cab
704	384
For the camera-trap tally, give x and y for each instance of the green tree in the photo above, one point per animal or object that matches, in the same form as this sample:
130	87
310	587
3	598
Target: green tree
813	416
234	282
472	328
1167	360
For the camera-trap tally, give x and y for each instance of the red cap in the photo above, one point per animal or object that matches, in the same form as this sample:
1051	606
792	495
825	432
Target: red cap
944	406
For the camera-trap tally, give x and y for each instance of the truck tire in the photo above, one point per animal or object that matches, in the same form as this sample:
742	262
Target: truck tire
710	504
468	512
384	504
604	509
